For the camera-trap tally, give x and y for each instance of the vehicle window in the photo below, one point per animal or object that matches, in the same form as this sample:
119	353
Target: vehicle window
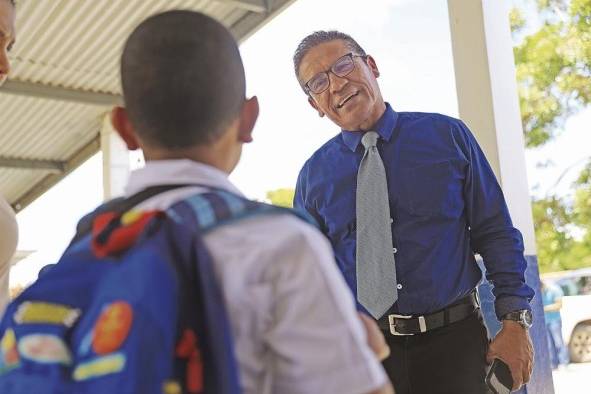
569	287
584	285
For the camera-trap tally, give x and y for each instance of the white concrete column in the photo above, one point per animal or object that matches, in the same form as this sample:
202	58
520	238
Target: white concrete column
488	101
116	167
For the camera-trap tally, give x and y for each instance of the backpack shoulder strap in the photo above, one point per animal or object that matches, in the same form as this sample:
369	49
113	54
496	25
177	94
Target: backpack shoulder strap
120	205
207	211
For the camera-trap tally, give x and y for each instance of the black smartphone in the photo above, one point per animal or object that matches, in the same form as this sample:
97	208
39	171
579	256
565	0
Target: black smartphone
499	378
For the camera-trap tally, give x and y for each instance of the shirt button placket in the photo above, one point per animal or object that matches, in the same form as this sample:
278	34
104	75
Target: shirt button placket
395	250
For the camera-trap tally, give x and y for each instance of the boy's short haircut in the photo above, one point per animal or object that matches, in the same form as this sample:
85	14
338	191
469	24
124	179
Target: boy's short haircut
183	79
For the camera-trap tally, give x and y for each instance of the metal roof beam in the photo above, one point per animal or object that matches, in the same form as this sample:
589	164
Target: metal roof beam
258	6
251	22
50	180
44	165
58	93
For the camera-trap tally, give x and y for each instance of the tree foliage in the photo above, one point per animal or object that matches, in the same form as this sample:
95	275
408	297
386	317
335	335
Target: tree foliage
281	197
563	228
553	65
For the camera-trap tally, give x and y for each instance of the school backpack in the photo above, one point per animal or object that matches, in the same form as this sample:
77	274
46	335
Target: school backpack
131	307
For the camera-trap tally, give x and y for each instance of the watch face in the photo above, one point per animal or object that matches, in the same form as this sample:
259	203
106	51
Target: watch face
527	318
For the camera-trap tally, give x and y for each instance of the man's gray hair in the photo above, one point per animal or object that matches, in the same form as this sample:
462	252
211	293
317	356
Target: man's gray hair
320	37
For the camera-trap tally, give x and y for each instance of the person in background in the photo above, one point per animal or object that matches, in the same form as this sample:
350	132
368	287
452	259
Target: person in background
552	299
8	225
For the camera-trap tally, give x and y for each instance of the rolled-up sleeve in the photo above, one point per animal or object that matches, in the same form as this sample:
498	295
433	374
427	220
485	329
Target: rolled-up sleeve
492	233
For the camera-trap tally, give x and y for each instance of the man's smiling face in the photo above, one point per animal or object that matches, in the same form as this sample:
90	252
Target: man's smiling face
354	102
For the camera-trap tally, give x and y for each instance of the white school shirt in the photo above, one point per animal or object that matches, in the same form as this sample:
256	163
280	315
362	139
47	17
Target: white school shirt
292	316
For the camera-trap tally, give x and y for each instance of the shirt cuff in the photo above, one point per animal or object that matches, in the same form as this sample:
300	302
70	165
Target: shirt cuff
508	304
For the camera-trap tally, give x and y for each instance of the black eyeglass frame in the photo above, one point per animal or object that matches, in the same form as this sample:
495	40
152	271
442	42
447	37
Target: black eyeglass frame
350	55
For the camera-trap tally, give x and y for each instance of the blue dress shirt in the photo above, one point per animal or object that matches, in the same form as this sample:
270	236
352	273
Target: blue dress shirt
446	205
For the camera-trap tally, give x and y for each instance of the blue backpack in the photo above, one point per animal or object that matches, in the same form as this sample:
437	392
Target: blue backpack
131	307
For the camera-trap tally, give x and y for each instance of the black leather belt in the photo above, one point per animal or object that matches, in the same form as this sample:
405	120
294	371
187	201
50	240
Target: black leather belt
413	324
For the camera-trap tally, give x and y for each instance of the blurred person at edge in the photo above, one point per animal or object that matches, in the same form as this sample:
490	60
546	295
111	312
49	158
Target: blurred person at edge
8	226
552	299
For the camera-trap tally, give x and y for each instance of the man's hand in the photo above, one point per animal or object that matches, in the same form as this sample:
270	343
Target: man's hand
377	343
375	338
513	346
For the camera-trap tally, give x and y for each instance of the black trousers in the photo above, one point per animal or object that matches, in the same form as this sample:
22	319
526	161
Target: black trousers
447	360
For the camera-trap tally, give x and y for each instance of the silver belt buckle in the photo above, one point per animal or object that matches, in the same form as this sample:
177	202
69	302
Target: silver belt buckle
392	322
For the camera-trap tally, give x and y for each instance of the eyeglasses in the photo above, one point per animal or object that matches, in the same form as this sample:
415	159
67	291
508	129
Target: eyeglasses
341	68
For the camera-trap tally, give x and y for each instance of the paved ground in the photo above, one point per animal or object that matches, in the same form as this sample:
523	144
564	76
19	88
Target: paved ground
573	379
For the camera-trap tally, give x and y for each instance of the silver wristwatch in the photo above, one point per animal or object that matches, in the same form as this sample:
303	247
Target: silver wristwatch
523	317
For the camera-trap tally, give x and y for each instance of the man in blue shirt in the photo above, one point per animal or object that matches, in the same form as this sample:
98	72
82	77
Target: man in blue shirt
442	206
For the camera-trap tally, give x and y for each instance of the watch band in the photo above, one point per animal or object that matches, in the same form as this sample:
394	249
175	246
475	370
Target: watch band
523	317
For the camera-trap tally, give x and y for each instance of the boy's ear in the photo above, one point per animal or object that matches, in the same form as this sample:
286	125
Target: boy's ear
121	123
314	105
248	118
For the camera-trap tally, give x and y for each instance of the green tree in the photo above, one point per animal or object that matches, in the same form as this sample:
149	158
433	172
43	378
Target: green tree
553	64
281	197
551	221
582	205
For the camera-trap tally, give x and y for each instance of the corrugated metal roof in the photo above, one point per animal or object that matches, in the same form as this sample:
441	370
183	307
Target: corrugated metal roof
65	74
40	129
16	182
77	43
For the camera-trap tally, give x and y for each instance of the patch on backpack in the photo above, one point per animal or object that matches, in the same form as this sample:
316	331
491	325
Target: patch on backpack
171	387
46	313
85	344
112	327
99	366
112	234
9	357
45	349
187	349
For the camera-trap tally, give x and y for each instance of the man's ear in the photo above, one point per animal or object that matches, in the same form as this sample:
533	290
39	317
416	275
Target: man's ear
248	118
371	63
315	106
121	124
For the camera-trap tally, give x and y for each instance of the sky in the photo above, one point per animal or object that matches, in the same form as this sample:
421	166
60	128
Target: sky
407	38
410	40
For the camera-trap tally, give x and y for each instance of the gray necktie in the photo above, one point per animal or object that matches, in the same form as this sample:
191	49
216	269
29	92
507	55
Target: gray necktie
376	270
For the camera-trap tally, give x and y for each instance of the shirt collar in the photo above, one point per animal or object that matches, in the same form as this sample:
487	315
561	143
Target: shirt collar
175	172
383	127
